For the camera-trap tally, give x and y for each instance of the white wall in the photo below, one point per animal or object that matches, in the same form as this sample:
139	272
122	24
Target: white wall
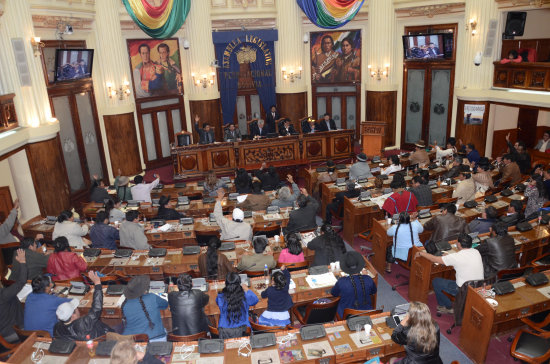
506	117
544	118
536	24
6	179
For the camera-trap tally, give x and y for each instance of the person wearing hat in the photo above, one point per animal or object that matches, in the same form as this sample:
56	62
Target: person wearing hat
235	229
123	192
400	200
420	156
166	213
360	169
355	289
72	326
141	310
102	234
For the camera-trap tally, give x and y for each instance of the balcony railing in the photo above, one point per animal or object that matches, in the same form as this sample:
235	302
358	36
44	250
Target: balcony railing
528	76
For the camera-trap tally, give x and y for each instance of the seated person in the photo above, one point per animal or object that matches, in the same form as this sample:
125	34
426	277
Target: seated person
235	229
327	123
132	234
378	189
7	225
257	200
214	264
465	189
405	236
284	197
482	176
468	267
11	309
356	289
269	177
422	191
400	200
472	154
420	156
187	308
72	326
310	127
543	144
98	191
64	264
234	302
329	247
360	169
68	228
455	168
305	217
212	183
536	196
41	305
112	208
102	234
293	252
514	214
142	190
206	134
279	301
450	150
124	352
232	133
257	261
287	128
513	57
123	191
243	181
483	224
166	213
394	167
141	310
447	226
509	169
322	177
259	129
519	151
338	200
497	252
35	257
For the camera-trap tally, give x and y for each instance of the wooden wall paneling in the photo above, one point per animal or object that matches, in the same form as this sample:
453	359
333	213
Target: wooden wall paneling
156	132
208	111
220	156
527	126
382	106
123	143
49	176
314	148
6	202
476	134
292	106
499	141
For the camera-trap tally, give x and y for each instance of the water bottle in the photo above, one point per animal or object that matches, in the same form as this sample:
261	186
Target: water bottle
266	274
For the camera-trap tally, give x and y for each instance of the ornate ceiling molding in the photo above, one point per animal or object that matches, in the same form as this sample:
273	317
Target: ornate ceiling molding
249	23
430	11
523	3
51	22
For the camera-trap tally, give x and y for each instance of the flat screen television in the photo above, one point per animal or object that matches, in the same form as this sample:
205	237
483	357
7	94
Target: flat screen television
428	47
73	64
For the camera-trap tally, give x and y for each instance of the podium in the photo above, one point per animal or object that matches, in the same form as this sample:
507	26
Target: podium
372	137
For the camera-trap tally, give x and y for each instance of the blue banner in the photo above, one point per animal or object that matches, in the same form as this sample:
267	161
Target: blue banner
255	48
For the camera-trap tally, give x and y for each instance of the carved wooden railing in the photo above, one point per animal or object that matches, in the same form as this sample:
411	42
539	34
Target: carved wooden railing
8	116
527	76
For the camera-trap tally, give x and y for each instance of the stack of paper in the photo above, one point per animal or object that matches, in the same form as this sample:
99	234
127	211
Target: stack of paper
321	280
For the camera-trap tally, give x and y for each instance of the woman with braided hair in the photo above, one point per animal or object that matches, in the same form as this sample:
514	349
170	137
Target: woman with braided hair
329	247
405	235
141	310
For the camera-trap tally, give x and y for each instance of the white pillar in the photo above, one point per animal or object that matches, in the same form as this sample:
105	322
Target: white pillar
24	187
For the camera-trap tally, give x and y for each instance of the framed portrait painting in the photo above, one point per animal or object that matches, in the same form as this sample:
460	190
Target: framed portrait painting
335	56
156	67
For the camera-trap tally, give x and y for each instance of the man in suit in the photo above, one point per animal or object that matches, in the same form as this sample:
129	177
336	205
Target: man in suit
510	169
422	191
465	189
232	134
259	130
303	218
432	51
327	123
206	134
287	129
483	224
518	150
271	118
514	213
446	226
420	156
332	208
310	127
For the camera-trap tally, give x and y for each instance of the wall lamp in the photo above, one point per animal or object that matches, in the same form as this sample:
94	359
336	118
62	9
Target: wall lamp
291	74
204	80
123	90
379	72
472	24
37	44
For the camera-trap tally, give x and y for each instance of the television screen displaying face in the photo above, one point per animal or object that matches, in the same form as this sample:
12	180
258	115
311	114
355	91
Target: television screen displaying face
73	64
428	46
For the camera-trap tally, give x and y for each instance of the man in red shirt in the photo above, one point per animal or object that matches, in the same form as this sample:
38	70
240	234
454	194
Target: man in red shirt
400	200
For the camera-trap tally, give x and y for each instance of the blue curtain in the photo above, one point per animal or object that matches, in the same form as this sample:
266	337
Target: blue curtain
228	81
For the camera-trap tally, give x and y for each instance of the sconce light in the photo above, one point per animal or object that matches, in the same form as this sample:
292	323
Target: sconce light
305	39
291	74
204	80
472	24
123	90
379	72
186	44
37	44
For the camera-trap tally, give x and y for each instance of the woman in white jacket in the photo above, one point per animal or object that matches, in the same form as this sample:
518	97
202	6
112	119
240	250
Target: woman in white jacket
65	226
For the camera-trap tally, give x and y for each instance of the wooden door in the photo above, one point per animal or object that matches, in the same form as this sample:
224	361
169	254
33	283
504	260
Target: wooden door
248	107
527	126
6	203
341	102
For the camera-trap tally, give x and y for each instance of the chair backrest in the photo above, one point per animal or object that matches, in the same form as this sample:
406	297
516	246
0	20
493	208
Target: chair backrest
270	230
279	124
303	123
446	200
250	124
353	311
318	313
435	206
250	273
186	338
203	237
509	274
294	266
257	327
24	334
460	298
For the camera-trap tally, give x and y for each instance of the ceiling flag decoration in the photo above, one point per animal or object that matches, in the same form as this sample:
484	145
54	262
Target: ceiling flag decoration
161	21
330	14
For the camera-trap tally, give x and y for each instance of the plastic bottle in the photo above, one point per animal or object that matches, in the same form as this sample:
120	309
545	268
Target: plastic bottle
90	346
266	274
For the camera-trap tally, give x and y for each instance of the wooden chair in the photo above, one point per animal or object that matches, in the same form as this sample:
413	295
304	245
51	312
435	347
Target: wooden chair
531	347
294	266
186	338
7	349
435	206
249	125
270	229
138	338
250	273
204	236
446	200
405	264
279	123
24	334
215	332
256	327
509	274
316	313
354	312
539	322
302	121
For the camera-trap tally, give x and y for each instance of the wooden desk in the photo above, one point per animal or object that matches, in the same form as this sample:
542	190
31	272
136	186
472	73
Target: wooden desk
381	346
194	160
359	216
335	144
481	320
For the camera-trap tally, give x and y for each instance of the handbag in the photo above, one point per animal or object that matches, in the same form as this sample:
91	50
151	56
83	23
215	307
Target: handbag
491	199
60	346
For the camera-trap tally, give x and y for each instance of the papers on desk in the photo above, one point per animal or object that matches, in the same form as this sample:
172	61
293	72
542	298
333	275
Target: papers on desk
321	280
307	237
270	217
381	199
318	349
360	338
266	356
241	198
164	228
24	292
515	197
499	204
545	291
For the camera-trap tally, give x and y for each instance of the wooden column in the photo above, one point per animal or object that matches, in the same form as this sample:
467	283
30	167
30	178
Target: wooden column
382	106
